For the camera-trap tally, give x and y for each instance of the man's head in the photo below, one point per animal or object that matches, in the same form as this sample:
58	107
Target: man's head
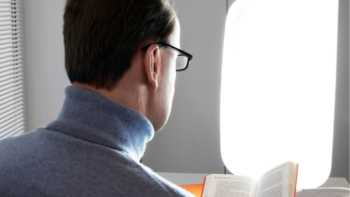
113	47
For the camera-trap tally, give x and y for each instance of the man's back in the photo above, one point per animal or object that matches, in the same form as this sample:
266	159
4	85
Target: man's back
121	58
62	161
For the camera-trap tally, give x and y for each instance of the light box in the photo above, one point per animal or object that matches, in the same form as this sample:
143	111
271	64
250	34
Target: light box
278	87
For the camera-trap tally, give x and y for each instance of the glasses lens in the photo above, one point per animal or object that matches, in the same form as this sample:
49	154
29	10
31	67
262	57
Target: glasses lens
181	62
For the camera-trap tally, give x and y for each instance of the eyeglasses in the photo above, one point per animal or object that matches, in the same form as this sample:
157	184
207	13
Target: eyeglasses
182	60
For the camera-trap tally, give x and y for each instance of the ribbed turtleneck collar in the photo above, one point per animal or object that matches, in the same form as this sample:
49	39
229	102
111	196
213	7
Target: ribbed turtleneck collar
92	117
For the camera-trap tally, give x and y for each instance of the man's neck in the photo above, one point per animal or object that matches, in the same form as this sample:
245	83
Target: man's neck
134	99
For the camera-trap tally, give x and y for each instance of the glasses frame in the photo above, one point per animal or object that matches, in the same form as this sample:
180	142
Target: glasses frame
181	52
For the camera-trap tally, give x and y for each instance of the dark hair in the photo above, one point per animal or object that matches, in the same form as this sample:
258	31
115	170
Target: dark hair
101	36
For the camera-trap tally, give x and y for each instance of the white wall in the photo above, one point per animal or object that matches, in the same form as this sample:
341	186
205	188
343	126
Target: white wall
190	142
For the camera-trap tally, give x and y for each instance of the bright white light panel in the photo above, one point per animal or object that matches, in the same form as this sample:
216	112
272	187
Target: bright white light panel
278	87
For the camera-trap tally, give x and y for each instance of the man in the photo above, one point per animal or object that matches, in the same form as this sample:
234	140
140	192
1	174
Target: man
121	57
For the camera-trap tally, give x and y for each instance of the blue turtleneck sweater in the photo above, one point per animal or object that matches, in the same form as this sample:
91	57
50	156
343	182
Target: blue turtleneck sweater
93	149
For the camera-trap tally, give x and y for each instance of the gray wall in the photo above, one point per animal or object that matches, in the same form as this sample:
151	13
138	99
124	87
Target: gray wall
341	152
44	72
190	142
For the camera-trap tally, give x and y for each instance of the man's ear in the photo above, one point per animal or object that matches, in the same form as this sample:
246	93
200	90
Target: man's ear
152	63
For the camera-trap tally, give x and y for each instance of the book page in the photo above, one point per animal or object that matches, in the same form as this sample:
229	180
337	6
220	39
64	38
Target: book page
228	186
277	182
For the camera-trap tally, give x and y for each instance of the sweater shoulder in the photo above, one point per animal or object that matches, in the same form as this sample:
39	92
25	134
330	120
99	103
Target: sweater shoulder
75	164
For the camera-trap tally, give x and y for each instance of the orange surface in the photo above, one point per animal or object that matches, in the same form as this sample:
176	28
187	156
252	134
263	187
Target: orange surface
195	189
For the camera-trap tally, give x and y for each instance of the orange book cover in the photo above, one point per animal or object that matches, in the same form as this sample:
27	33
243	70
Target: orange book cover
195	189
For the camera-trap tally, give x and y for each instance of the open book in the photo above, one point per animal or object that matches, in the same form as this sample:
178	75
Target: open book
278	182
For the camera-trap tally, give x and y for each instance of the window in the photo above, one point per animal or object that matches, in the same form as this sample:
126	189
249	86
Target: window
278	87
11	74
